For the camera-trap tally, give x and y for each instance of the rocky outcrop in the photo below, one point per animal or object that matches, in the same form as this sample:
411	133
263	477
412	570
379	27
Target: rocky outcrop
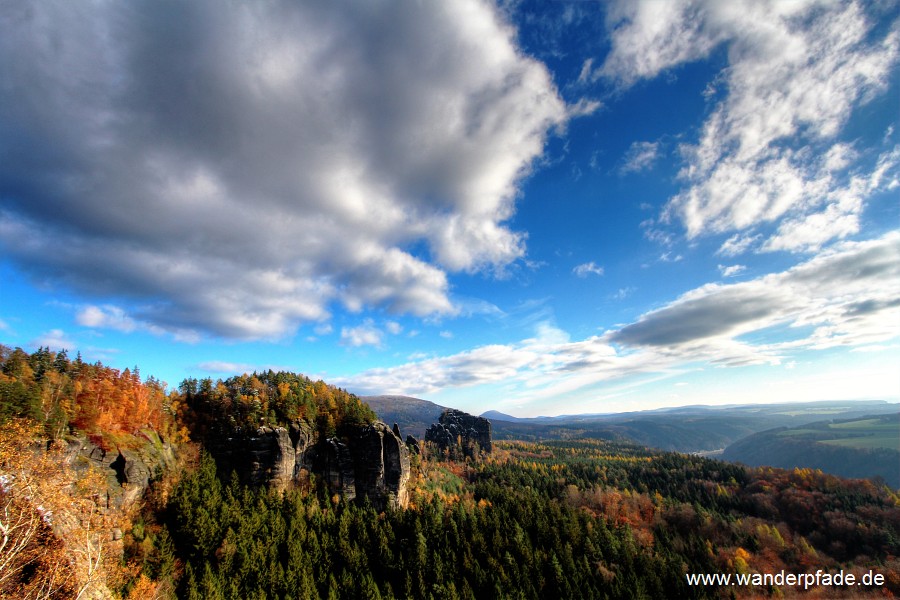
333	461
128	470
271	455
461	431
364	461
381	465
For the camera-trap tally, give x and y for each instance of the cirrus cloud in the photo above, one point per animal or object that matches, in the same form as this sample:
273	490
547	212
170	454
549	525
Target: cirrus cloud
588	268
770	151
640	157
731	270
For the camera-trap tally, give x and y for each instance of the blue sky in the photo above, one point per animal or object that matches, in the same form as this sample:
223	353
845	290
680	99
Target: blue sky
536	207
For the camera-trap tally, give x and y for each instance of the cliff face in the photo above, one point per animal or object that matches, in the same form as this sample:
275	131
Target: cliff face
381	465
456	429
366	461
128	471
271	455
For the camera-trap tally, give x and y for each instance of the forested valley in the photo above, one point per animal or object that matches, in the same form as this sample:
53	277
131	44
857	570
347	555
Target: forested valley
552	519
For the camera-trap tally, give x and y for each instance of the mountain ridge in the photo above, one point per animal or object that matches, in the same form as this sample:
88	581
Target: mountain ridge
690	428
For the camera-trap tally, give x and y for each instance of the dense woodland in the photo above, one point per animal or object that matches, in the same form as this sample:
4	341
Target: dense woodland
573	518
246	402
50	389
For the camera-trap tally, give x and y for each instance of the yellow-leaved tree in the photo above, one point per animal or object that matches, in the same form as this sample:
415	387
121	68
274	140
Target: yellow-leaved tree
53	540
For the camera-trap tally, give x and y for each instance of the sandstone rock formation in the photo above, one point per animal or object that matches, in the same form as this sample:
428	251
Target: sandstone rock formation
381	465
270	455
459	430
333	461
128	471
412	444
364	461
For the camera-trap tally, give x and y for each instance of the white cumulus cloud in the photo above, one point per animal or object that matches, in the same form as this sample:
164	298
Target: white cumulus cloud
225	367
107	317
846	296
55	339
365	334
239	169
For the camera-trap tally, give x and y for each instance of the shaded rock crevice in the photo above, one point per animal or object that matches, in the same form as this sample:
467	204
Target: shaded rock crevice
128	471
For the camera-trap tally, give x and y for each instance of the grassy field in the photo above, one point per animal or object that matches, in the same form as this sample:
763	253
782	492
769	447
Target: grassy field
888	442
796	432
824	411
864	433
867	424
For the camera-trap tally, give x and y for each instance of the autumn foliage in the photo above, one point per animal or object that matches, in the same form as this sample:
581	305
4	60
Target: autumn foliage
60	393
52	543
268	398
55	522
561	518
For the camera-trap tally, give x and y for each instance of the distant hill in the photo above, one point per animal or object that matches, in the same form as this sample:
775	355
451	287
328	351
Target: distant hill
681	429
495	415
413	415
682	433
686	428
862	448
